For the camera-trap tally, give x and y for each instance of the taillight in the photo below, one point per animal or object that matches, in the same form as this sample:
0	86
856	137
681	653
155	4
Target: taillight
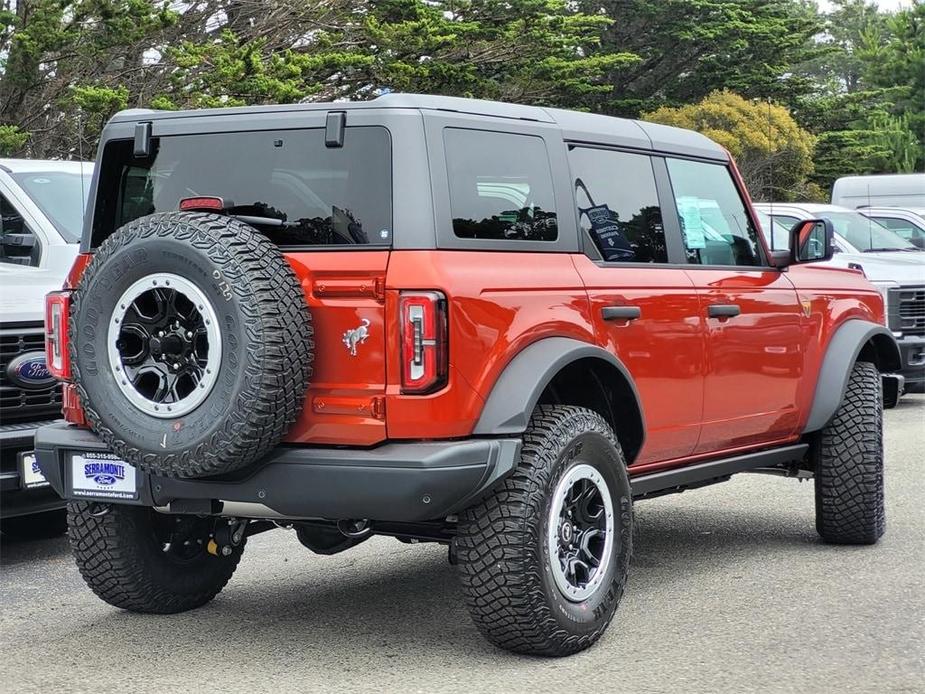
57	309
423	341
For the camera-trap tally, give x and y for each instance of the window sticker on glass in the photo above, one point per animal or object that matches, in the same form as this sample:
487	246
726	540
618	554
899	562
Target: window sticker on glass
604	226
691	222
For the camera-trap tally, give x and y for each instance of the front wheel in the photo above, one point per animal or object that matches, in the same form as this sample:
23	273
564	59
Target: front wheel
544	559
849	464
144	561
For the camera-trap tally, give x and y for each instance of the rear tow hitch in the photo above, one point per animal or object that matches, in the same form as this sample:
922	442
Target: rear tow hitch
227	536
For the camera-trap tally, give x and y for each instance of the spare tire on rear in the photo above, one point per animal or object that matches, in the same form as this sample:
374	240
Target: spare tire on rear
190	343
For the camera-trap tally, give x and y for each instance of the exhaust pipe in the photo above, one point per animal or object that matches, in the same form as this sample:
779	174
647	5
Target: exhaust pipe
355	528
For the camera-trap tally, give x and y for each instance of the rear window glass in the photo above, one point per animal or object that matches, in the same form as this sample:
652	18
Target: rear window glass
286	183
500	186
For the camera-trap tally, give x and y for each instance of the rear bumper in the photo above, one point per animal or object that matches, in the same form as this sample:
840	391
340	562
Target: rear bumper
392	482
15	499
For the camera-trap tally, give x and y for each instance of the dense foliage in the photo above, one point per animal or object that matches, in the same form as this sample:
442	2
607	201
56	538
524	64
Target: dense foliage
799	96
773	153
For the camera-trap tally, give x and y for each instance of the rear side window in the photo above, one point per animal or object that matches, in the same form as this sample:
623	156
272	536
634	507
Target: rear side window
908	230
714	223
500	186
286	183
618	205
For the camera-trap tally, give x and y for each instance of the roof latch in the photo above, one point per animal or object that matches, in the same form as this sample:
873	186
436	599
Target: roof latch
142	140
334	129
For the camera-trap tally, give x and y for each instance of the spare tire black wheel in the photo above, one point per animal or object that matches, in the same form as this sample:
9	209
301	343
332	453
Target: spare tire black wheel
190	343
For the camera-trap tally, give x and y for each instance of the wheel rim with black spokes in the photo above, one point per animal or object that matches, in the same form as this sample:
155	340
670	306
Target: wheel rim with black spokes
580	532
164	345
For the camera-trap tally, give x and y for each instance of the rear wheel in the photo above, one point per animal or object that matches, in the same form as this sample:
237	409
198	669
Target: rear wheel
544	558
849	464
143	561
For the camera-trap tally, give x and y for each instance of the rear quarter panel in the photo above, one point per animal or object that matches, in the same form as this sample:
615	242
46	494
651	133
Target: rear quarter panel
499	302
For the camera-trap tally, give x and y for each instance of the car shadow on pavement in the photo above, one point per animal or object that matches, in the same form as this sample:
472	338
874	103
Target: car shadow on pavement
401	600
15	551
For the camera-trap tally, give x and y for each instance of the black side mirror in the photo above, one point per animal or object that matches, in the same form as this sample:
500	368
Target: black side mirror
811	241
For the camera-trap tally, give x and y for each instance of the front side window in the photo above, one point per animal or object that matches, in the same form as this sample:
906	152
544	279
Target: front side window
286	183
18	244
714	222
776	231
500	186
618	205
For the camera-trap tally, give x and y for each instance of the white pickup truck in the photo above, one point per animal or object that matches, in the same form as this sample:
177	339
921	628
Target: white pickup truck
41	214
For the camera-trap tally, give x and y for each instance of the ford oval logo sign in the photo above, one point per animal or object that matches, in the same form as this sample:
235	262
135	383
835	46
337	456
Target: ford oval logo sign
30	371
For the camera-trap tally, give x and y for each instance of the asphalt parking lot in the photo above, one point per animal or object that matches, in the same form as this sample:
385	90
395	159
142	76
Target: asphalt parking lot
730	590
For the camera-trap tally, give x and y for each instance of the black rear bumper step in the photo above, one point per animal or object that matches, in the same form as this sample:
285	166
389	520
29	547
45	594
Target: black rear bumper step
700	474
393	482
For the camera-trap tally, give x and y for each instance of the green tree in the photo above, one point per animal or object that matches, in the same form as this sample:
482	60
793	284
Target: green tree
690	48
774	155
536	51
69	65
848	29
896	64
870	92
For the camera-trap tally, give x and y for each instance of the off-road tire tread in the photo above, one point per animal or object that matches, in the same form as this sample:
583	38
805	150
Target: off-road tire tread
278	365
498	543
849	464
106	550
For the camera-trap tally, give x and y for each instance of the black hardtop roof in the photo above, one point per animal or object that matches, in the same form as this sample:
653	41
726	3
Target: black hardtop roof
575	125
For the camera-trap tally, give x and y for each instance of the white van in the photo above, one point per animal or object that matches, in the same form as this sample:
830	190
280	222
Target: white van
882	190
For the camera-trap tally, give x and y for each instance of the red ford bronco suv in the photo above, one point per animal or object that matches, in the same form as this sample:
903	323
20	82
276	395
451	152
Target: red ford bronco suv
486	325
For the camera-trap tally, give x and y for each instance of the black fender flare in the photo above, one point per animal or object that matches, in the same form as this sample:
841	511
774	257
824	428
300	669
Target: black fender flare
852	339
519	387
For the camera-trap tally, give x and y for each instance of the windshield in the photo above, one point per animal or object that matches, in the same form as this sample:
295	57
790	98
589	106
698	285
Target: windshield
61	196
865	234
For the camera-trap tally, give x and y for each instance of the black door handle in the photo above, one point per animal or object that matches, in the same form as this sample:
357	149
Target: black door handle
723	310
621	312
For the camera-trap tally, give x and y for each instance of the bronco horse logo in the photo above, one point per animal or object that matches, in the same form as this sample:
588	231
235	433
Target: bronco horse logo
357	336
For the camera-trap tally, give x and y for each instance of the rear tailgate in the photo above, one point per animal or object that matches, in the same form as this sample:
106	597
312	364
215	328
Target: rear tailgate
345	292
